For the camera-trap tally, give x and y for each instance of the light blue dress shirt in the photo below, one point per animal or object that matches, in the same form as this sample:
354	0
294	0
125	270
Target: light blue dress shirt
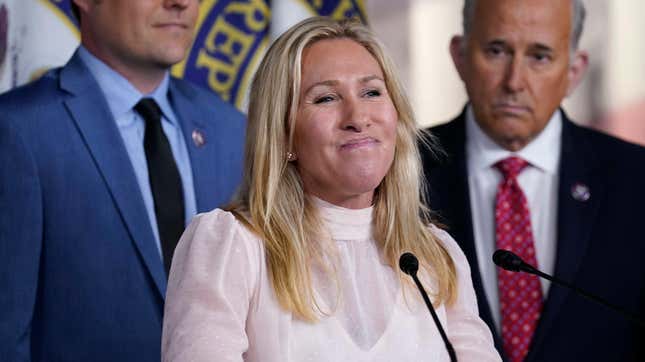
121	98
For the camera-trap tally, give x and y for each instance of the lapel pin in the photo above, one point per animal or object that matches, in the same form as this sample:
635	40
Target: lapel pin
580	192
198	138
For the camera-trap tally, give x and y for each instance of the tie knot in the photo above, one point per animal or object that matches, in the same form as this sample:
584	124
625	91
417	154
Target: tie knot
148	109
510	167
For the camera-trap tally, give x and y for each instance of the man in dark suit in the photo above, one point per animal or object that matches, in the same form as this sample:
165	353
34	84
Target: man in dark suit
518	174
102	164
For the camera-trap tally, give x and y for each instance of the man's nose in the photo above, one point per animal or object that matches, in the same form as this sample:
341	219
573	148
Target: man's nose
178	4
515	76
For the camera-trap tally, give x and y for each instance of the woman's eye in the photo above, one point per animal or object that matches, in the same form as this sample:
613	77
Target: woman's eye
373	93
323	99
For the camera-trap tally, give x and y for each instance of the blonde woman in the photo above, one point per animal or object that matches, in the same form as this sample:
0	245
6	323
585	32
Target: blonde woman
303	265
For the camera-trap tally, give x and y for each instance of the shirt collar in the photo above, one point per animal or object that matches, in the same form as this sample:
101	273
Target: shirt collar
120	94
345	224
543	152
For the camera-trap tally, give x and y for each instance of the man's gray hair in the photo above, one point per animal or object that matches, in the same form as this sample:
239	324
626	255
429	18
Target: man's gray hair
577	23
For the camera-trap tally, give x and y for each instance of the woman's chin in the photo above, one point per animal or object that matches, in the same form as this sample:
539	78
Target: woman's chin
360	186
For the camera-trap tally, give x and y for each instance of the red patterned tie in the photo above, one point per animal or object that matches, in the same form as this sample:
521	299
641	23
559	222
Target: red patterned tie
520	294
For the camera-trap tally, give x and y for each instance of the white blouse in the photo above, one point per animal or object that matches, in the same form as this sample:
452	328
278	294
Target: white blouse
220	304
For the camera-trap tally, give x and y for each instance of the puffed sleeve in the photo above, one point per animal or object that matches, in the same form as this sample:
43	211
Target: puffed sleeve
469	335
213	278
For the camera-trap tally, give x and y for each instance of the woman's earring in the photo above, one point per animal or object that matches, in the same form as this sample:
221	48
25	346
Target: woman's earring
291	156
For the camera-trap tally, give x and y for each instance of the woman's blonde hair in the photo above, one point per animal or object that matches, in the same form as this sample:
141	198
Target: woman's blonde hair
272	193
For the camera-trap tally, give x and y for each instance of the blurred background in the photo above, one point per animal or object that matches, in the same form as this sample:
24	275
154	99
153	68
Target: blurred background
36	35
611	97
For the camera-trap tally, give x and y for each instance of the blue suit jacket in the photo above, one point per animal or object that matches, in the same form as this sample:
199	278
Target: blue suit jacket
81	278
600	242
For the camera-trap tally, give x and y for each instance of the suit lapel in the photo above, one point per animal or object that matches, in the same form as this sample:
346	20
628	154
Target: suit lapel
208	146
450	180
575	220
575	217
90	112
192	125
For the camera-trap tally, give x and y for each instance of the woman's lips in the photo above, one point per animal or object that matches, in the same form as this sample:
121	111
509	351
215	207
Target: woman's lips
359	143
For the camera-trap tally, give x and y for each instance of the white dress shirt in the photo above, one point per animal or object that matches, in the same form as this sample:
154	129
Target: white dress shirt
221	306
539	182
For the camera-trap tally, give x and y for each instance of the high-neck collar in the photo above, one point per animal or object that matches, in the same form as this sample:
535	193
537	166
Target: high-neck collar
345	224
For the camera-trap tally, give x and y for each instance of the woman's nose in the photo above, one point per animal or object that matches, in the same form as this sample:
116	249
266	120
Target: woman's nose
356	116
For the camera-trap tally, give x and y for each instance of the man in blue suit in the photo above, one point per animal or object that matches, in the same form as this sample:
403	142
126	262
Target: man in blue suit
86	175
577	194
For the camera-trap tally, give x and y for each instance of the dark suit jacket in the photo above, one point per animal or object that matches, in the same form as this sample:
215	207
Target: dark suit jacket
81	278
600	242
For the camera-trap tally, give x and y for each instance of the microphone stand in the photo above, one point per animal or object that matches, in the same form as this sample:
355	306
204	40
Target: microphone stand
509	261
451	350
409	264
632	317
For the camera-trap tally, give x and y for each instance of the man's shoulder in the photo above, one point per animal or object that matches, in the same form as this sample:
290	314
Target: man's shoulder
452	129
449	135
606	157
443	142
605	144
205	100
37	93
35	108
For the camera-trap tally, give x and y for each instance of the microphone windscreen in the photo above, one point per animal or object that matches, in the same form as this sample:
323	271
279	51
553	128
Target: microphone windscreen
409	263
507	260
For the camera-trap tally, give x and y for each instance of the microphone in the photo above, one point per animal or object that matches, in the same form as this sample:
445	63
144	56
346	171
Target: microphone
409	264
511	262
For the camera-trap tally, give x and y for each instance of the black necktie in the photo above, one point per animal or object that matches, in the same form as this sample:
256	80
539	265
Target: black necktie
164	178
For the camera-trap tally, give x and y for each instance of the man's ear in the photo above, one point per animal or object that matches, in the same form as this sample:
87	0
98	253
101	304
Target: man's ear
457	45
82	4
577	69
